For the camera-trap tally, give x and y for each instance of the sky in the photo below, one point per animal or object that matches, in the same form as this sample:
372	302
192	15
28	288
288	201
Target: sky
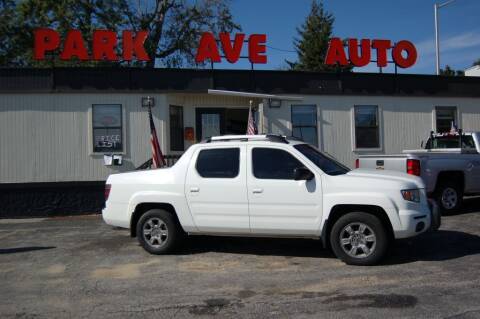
411	20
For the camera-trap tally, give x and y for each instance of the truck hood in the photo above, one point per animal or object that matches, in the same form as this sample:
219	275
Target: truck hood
384	179
387	176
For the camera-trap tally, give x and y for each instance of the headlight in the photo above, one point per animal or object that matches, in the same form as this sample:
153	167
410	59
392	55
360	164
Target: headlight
412	195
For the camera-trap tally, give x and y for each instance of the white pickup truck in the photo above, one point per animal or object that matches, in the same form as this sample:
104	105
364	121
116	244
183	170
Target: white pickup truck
449	165
268	185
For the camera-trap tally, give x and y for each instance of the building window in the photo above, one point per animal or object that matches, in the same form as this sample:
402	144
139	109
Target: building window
445	116
304	123
218	163
176	128
367	131
283	167
107	128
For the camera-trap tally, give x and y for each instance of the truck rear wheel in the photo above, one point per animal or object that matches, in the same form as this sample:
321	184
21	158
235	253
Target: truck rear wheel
359	238
449	196
158	232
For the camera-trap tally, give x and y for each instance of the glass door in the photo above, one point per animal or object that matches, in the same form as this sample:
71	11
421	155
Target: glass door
210	122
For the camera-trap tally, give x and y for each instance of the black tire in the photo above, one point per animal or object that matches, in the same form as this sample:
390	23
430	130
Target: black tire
165	235
449	197
373	226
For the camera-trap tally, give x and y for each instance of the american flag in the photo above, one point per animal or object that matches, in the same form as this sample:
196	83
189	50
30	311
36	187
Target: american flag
157	157
252	126
453	128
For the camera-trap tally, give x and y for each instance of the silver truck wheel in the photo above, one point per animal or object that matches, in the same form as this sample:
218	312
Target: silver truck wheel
449	198
155	232
158	231
358	240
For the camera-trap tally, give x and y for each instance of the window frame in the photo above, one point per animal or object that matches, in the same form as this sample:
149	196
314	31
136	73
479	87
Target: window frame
379	128
292	106
434	117
182	149
216	149
91	128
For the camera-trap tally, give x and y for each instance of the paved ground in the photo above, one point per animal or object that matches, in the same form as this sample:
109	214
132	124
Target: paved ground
79	267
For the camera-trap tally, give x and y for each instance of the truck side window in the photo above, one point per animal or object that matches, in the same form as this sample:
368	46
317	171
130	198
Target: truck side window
270	163
218	163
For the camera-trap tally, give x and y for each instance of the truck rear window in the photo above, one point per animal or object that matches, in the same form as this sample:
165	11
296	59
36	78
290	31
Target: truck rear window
442	142
218	163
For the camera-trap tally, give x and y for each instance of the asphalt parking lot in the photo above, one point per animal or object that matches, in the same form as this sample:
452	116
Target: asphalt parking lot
80	267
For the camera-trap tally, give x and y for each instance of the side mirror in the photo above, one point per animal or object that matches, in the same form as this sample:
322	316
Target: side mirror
303	174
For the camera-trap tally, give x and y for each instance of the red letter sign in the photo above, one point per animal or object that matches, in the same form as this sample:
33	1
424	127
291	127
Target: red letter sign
335	53
256	46
207	49
74	46
104	43
364	57
411	54
232	53
381	46
45	40
134	45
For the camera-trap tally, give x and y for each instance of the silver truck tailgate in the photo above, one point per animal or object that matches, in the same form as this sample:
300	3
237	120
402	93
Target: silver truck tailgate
384	162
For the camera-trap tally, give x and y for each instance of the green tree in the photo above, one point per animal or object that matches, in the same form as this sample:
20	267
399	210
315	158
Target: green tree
174	26
8	30
313	39
448	71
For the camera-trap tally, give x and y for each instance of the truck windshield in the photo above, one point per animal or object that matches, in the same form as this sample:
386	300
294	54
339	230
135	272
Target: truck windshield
453	141
324	161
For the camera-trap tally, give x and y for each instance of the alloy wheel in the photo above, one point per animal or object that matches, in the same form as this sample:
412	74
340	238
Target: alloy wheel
358	240
155	232
449	198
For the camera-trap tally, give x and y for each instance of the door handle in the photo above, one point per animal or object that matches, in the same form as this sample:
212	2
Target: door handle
257	190
194	189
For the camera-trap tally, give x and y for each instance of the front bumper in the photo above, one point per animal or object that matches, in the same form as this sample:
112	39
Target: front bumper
414	222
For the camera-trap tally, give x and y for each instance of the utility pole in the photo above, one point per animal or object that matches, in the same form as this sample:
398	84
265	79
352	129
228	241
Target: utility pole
437	6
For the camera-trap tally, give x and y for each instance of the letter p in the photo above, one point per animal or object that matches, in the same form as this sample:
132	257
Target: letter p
44	40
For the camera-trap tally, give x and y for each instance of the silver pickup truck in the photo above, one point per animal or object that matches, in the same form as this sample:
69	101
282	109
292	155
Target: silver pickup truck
449	165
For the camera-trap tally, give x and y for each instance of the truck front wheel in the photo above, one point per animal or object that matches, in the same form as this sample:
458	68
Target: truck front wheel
359	238
158	232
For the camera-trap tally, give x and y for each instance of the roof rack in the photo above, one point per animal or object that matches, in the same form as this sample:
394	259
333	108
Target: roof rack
245	138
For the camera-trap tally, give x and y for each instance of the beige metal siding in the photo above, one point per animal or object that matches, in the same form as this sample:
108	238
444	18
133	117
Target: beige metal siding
404	121
47	137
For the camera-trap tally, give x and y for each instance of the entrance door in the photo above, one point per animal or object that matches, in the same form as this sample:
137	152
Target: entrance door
221	121
210	122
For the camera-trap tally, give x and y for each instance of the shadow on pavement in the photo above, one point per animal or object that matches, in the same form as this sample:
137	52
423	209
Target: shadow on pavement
4	251
470	205
256	246
437	246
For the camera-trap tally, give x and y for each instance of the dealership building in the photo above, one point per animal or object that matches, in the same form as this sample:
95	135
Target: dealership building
63	131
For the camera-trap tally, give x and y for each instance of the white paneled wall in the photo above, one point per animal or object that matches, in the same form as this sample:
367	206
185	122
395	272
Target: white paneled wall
404	121
47	137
